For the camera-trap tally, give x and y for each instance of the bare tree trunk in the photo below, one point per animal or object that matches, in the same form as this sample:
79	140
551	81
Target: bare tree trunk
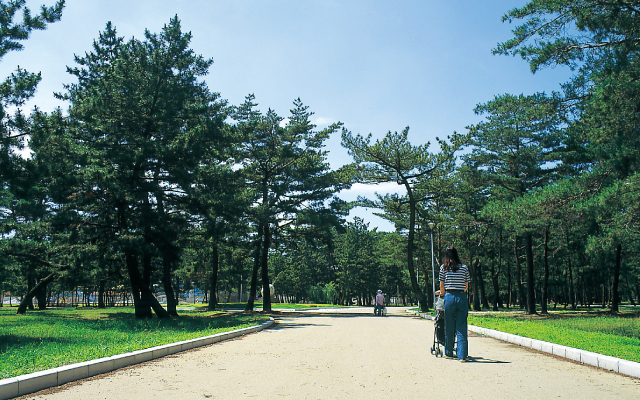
410	247
474	279
531	294
41	295
101	294
141	307
266	291
213	278
545	279
31	282
27	299
616	280
483	294
495	274
254	276
509	283
146	299
521	301
168	256
572	295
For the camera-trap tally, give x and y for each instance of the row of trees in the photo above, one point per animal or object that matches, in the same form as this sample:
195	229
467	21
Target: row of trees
151	181
544	201
148	173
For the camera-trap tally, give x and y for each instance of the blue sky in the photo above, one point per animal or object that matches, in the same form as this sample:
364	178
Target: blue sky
376	66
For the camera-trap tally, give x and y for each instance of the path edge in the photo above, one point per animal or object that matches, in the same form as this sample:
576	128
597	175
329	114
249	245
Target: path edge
614	364
29	383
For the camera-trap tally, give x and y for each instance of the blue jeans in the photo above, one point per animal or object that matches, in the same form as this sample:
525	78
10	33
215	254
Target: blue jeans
456	309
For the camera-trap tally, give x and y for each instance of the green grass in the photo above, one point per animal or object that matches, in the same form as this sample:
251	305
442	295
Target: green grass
599	332
47	339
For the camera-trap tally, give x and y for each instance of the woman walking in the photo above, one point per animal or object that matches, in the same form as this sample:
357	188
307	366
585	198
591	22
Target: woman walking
454	283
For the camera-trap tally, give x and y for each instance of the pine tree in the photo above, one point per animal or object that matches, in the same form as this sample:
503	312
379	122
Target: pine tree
141	122
394	159
285	166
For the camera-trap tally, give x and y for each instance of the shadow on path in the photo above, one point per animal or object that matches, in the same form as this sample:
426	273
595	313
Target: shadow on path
485	360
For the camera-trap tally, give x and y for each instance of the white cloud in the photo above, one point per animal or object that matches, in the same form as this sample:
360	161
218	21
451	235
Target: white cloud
284	122
322	121
369	191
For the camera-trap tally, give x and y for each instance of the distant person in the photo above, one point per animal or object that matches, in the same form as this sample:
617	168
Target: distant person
454	283
379	305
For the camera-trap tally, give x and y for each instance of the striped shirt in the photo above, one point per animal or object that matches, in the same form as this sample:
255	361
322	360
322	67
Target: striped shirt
455	280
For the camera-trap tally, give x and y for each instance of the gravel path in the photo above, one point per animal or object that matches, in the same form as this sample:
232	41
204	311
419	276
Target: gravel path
348	354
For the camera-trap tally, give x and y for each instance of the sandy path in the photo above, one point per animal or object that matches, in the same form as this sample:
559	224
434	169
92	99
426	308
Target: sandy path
351	355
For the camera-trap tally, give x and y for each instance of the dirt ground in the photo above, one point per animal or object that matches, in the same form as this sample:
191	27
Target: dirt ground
350	354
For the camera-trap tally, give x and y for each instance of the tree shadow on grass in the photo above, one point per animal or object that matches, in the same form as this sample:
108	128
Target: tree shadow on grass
12	342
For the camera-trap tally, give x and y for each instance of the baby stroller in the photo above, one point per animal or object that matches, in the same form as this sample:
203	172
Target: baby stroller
438	331
381	312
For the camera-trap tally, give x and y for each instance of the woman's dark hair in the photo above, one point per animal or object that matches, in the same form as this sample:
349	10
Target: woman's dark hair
451	259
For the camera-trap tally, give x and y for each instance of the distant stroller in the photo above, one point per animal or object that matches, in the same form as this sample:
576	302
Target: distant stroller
438	331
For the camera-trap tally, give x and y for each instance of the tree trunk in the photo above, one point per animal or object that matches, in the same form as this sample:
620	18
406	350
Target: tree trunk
483	293
509	283
142	309
531	294
167	257
213	279
266	291
496	290
497	301
521	302
164	242
27	299
31	282
254	274
616	280
545	279
239	289
474	280
424	306
143	299
101	294
427	284
475	277
572	295
41	295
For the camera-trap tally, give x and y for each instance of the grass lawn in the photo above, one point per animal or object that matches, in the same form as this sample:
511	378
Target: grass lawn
47	339
596	331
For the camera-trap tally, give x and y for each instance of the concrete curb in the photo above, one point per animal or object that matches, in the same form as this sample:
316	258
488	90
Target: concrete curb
25	384
582	356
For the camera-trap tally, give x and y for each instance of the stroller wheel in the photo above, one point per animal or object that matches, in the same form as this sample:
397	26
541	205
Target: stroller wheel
432	351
